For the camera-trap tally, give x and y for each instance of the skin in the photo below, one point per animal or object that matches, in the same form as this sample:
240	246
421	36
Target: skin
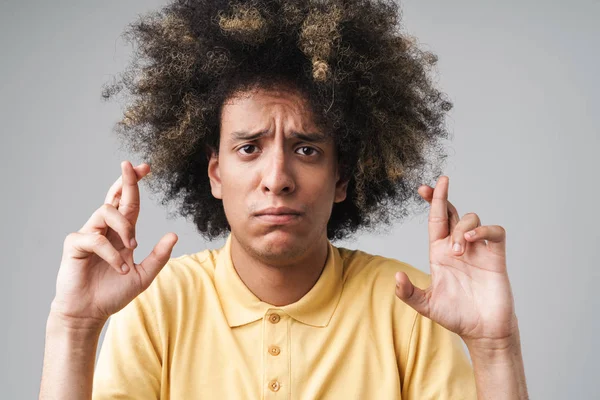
278	262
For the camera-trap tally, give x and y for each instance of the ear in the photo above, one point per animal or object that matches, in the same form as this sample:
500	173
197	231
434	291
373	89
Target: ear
214	175
341	187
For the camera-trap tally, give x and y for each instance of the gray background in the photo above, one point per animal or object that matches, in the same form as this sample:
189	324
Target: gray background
523	76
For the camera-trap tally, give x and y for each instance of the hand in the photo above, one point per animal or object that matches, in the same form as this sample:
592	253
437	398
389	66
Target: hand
91	286
470	293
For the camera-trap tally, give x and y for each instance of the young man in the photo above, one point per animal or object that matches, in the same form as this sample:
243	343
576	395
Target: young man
278	312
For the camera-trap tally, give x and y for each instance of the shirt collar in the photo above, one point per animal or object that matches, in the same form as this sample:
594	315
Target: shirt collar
241	306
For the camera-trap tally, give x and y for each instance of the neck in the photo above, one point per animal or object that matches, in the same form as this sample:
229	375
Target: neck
279	285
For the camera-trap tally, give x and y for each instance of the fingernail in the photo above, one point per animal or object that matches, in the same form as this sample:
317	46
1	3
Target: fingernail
457	247
133	243
471	233
125	268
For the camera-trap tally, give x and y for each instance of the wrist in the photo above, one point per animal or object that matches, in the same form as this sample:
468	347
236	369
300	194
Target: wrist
73	327
498	367
495	351
69	357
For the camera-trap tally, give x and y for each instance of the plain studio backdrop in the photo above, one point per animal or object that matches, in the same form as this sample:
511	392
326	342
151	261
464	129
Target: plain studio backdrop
523	76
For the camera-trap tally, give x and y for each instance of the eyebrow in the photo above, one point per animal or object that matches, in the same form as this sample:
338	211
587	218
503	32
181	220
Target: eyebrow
308	137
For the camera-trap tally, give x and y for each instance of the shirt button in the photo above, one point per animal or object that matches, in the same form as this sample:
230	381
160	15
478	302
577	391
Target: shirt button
274	318
274	350
274	385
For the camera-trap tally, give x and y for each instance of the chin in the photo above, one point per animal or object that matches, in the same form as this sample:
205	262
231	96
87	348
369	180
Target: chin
280	242
281	237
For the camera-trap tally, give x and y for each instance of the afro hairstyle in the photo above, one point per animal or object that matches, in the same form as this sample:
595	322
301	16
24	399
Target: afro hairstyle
368	84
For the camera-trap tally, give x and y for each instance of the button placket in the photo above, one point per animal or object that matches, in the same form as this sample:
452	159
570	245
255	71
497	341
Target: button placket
276	357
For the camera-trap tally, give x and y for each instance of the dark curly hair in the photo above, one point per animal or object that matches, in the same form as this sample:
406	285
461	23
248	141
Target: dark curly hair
369	87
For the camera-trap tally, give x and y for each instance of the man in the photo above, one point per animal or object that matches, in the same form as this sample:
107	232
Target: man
278	312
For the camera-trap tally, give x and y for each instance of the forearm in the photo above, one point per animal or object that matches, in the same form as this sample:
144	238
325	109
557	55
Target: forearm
499	372
69	357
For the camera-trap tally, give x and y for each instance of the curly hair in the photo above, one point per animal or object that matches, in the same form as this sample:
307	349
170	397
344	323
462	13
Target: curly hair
368	84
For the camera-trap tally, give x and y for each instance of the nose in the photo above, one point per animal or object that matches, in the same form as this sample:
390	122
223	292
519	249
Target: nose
277	176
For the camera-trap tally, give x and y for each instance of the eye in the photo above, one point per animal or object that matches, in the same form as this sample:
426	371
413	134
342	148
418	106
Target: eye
311	149
248	145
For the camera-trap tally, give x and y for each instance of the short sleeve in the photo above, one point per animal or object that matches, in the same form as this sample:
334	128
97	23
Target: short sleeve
437	366
129	363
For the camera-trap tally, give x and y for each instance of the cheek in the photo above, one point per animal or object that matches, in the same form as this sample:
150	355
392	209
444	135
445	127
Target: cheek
320	192
234	196
234	187
236	179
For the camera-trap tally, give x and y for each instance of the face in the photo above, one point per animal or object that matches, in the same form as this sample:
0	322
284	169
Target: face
271	154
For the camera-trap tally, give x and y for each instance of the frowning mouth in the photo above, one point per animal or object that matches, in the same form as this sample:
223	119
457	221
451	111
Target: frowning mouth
277	211
279	218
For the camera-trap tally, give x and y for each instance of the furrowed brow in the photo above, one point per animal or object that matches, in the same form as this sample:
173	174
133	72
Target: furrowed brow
242	135
308	137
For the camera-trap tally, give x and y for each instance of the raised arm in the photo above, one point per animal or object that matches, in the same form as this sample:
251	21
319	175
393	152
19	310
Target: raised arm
97	278
470	294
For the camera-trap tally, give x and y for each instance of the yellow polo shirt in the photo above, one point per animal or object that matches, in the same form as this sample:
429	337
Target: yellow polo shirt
199	333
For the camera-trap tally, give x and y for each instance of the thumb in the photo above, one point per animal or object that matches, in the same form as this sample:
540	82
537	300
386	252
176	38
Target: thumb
411	295
157	259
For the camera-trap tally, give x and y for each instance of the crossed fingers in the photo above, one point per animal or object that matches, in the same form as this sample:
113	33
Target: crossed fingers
444	219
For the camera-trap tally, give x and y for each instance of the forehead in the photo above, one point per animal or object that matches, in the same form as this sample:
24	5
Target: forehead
259	108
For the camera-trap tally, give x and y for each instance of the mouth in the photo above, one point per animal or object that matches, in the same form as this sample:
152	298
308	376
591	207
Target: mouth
278	219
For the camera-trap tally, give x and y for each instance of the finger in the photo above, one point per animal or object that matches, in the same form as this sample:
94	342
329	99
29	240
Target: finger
426	193
495	236
467	223
81	245
107	216
113	196
157	259
411	295
129	205
438	212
